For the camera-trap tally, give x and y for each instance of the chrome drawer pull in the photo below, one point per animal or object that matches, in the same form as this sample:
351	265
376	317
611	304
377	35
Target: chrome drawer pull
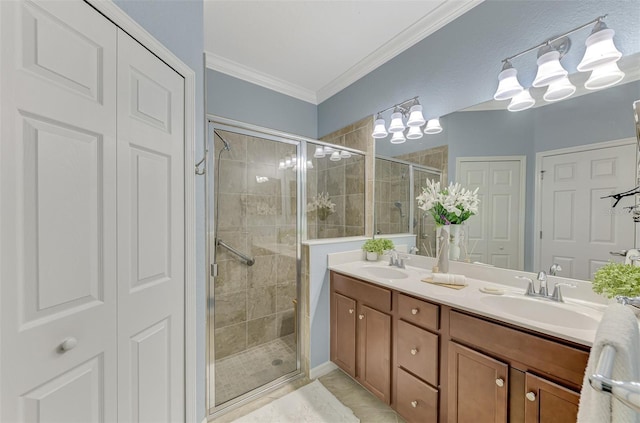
500	382
350	311
414	404
361	316
414	351
531	396
415	311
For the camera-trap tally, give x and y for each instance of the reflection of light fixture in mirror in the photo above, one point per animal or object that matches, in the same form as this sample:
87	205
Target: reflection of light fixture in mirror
600	48
379	130
414	133
508	84
559	90
281	165
522	101
309	164
294	159
549	67
288	162
398	138
396	124
415	116
345	154
335	156
261	179
604	76
319	153
433	127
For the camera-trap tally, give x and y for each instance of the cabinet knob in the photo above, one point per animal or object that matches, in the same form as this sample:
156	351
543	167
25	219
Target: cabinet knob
414	311
361	316
68	344
414	351
500	382
531	396
350	311
414	404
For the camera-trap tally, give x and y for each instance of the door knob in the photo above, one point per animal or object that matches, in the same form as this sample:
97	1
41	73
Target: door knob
414	311
531	396
414	404
500	382
414	351
68	344
350	311
361	316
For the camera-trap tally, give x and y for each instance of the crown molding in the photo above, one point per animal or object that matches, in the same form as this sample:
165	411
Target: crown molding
422	28
237	70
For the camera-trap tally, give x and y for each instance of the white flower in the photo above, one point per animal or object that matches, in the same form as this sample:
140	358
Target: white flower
321	201
454	204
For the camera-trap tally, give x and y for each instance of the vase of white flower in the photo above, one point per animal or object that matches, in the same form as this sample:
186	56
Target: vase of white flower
321	205
450	208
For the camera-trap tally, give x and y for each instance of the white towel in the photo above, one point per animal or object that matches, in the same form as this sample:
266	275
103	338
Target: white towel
619	328
449	278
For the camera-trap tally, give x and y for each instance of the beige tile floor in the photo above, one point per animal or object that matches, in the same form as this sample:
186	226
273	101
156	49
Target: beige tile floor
364	405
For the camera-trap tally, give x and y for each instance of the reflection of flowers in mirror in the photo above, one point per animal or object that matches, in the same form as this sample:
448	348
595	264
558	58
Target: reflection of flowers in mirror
451	205
322	205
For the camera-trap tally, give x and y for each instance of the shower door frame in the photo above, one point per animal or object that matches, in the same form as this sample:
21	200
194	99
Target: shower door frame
225	124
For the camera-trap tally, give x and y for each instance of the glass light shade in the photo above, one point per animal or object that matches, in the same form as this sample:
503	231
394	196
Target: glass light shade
396	124
335	156
549	69
604	76
345	154
433	127
379	130
600	50
415	116
309	164
398	138
281	165
319	153
522	101
287	162
508	85
559	90
414	133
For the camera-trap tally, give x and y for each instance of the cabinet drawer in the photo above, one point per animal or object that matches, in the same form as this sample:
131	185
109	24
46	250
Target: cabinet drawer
550	357
418	312
417	351
364	293
417	401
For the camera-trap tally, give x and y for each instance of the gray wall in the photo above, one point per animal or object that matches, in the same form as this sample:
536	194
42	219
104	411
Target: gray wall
234	98
178	25
457	66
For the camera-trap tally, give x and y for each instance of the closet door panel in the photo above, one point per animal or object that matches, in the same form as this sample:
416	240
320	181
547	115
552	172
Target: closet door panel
150	236
57	213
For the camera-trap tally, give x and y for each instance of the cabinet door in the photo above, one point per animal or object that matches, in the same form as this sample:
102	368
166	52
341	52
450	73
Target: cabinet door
478	386
548	402
343	333
374	352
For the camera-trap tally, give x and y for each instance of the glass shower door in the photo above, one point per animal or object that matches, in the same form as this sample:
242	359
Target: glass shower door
424	226
253	299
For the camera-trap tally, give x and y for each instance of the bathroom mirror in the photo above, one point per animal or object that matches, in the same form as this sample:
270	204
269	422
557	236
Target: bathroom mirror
542	174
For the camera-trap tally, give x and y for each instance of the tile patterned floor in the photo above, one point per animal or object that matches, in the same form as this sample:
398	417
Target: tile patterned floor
364	405
242	372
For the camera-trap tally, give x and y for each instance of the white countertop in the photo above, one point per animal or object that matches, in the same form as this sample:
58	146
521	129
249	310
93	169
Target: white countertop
473	300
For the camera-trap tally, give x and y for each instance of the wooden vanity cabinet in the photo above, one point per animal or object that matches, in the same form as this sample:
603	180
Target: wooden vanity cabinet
361	333
548	402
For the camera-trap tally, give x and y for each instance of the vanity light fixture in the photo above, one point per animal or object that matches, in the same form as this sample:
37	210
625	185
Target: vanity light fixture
600	59
309	164
433	126
344	154
319	153
335	156
411	110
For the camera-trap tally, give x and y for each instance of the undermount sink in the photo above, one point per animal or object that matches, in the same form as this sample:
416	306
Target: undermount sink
543	312
385	272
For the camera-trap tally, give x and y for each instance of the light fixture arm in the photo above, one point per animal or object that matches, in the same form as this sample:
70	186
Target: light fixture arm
556	38
403	107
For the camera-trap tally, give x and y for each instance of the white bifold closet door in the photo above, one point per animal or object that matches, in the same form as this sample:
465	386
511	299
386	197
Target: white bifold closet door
91	221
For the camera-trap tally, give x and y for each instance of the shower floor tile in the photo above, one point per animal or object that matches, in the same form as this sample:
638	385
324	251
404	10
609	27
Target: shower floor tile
239	373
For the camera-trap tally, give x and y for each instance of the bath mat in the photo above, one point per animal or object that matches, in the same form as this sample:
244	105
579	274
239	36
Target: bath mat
312	403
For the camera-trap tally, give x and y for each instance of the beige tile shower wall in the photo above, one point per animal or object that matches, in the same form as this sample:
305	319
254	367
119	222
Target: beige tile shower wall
437	157
254	305
392	185
358	136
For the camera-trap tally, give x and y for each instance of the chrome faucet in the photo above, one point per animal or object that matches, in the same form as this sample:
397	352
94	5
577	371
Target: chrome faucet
542	292
396	260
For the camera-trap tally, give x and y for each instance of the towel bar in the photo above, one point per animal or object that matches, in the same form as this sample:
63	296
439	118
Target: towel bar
627	392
